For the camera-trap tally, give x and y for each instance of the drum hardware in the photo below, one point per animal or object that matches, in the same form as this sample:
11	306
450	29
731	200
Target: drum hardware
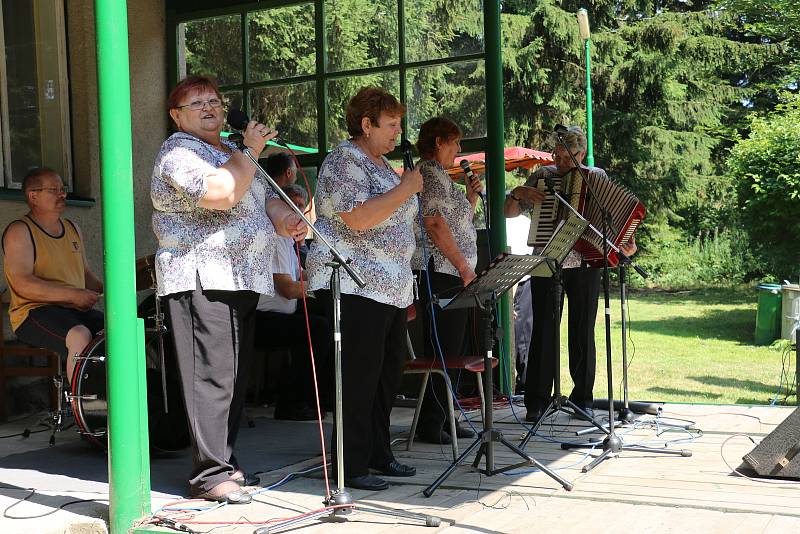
71	397
90	358
57	417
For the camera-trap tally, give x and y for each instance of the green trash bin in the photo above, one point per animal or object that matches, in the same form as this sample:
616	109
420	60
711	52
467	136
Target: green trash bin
768	316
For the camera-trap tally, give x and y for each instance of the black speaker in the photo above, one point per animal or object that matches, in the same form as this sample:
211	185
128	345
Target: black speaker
777	454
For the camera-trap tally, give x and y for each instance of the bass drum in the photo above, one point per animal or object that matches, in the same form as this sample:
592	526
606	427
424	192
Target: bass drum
169	431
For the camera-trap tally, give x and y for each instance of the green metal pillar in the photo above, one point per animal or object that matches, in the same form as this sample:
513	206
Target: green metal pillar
129	469
495	165
587	45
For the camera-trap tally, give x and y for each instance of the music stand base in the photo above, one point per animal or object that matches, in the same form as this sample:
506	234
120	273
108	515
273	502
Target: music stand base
483	442
560	403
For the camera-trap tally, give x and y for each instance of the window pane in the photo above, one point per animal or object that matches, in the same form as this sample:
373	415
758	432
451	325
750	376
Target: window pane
292	109
231	100
36	94
212	47
281	42
360	34
435	33
455	90
341	90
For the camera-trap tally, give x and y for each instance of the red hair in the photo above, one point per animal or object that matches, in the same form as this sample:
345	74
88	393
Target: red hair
189	85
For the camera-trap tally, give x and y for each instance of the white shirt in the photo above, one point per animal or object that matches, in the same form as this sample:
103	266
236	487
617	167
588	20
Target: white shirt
284	261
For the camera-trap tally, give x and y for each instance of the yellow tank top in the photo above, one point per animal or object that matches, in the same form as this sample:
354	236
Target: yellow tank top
56	259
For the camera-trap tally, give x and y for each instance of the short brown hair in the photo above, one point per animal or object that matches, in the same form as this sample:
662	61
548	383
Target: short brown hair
433	129
34	178
370	102
191	84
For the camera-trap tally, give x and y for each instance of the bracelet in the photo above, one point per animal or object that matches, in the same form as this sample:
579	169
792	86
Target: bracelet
513	197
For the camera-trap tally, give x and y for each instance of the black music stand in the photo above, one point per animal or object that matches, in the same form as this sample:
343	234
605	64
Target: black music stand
483	292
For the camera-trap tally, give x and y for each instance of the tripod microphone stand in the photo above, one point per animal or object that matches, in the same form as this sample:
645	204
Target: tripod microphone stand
483	292
339	502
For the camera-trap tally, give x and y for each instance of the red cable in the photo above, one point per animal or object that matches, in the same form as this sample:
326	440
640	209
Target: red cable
313	372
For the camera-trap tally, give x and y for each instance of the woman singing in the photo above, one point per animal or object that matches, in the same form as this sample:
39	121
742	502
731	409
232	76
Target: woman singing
449	253
367	211
216	226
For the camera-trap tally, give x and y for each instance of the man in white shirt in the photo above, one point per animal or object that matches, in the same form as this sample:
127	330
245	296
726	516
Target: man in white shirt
282	323
517	229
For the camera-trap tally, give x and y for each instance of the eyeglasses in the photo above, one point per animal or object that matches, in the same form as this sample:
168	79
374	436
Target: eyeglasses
197	105
55	190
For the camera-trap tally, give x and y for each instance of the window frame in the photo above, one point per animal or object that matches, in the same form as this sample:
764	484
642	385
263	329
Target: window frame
176	17
59	24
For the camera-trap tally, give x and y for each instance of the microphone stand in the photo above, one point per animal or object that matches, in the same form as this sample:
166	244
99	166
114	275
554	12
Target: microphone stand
339	502
612	444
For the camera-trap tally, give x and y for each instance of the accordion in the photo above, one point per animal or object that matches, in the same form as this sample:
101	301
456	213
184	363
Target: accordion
625	210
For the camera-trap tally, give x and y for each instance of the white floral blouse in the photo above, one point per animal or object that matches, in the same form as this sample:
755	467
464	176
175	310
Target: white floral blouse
382	254
227	249
441	196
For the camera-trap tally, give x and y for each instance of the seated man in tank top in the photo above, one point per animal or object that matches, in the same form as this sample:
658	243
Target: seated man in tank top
53	290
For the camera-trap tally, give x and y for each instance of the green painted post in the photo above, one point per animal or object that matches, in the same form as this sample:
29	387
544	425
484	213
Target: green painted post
583	27
589	134
128	465
495	164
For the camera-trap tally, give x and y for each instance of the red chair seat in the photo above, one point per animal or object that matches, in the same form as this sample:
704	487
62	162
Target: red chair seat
470	363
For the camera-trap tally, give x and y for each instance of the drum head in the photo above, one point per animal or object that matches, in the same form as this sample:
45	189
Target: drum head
169	430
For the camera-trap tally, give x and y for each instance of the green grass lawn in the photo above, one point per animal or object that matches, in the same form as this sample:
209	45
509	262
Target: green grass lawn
692	346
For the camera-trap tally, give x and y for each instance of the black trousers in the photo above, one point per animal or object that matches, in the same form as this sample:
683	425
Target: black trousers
373	356
454	340
213	336
582	287
289	330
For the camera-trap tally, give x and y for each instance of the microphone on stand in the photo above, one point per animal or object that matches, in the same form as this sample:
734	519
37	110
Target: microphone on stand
471	177
238	120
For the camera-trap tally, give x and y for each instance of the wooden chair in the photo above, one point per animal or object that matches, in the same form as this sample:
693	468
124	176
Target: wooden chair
426	366
16	350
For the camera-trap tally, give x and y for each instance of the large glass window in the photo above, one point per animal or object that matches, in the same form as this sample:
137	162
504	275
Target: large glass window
269	61
34	96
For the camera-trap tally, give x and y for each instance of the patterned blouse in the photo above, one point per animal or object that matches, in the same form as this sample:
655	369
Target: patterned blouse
382	254
573	259
228	249
441	196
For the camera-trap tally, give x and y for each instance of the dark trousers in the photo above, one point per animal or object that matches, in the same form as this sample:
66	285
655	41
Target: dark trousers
453	338
373	356
582	287
276	330
213	336
523	327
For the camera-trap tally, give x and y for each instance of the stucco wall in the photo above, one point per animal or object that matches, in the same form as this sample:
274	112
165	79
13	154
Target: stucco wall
147	49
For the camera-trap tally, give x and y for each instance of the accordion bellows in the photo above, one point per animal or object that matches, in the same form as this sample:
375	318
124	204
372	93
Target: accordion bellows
625	210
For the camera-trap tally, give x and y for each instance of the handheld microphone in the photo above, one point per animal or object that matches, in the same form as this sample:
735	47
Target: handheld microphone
471	175
238	120
408	159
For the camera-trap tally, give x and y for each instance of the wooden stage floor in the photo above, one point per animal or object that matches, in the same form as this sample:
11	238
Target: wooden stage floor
633	492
